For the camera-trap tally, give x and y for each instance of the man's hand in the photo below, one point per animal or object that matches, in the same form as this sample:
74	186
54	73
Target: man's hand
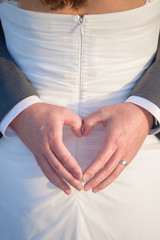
126	126
40	128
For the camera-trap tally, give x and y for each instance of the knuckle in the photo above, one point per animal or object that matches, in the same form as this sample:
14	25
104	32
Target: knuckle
100	187
64	158
116	174
55	146
53	138
72	181
49	175
88	122
55	183
116	142
109	182
60	186
107	171
75	170
67	164
102	160
95	182
57	167
42	146
119	138
90	173
102	111
47	172
65	111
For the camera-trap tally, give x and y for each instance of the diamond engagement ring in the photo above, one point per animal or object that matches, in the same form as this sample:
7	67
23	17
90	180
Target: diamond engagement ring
123	163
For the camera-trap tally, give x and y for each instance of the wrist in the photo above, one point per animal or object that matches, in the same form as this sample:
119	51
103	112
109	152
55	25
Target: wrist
147	115
23	115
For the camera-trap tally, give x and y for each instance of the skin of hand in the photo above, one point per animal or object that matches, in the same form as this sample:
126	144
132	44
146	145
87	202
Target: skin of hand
126	126
40	128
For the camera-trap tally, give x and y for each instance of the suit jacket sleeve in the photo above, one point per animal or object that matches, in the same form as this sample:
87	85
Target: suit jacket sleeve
149	84
14	87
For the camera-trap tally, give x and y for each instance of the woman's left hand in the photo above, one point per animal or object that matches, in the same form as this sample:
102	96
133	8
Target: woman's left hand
126	126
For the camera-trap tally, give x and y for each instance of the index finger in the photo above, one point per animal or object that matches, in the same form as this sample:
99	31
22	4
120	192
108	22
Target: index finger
66	158
62	153
105	153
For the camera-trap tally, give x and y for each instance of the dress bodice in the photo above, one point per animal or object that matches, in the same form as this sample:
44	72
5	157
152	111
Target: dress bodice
68	56
82	63
110	51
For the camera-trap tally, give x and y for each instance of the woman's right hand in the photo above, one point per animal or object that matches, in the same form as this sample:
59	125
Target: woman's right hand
40	128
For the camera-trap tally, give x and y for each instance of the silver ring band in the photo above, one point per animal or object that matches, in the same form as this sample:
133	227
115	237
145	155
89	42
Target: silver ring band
123	163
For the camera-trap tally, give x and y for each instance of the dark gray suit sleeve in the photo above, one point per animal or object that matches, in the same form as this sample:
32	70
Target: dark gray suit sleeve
149	84
14	87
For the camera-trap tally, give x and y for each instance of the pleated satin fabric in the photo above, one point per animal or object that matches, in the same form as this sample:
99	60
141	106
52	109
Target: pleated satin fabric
82	64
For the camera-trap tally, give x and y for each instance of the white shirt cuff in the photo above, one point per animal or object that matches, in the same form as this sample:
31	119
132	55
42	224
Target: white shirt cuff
17	109
150	107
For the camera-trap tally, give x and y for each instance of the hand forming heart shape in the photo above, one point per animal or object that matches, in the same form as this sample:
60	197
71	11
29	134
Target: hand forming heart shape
40	128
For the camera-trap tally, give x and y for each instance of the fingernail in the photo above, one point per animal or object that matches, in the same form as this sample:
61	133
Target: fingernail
94	190
68	191
79	187
87	188
85	177
77	175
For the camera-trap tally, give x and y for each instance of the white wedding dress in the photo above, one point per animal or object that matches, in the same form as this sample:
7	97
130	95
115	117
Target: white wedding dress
82	64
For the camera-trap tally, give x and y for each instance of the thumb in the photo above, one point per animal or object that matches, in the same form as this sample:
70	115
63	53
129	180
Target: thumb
89	123
75	122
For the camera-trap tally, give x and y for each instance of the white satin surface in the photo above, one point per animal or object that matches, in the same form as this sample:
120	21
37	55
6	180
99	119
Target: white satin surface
82	64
